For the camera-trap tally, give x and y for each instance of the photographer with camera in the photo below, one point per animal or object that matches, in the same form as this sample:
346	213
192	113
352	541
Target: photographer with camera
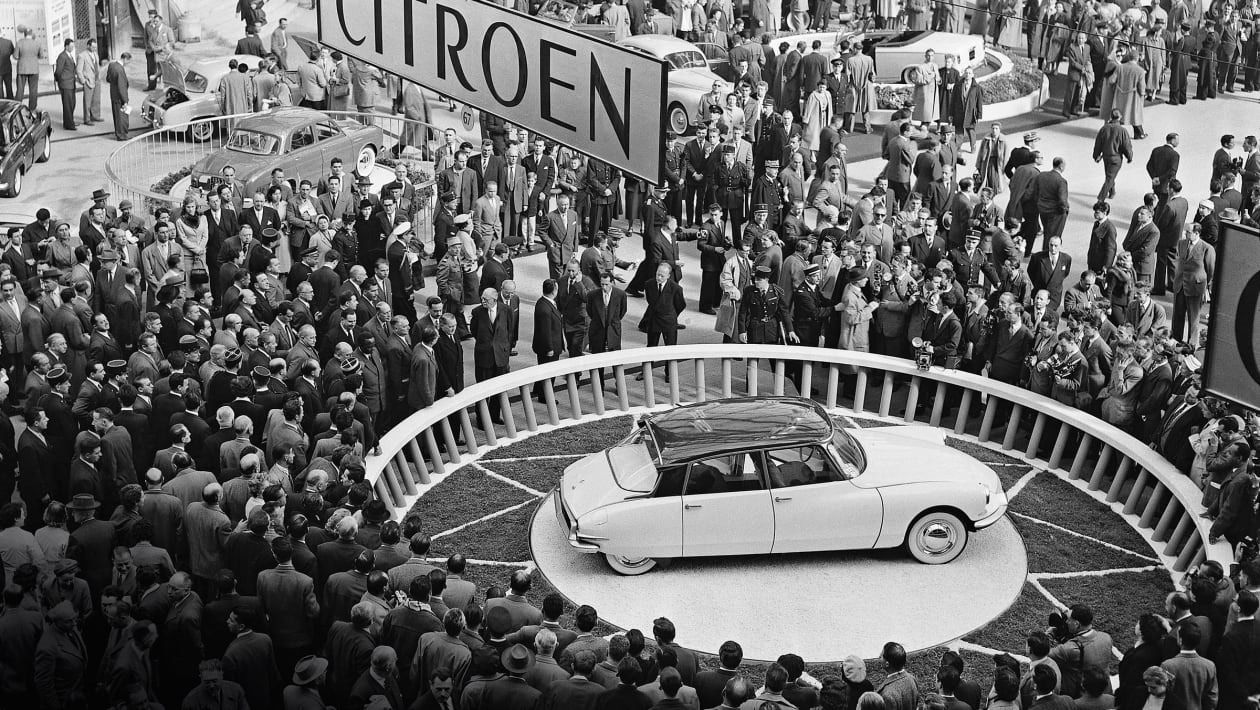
1078	646
934	329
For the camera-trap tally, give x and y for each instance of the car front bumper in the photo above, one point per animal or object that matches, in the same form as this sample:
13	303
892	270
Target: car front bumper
562	515
993	512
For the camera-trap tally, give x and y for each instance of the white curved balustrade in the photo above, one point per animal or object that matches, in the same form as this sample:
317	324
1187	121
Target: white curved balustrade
1164	501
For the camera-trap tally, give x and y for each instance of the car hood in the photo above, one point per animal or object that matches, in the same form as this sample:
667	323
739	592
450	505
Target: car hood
698	79
247	166
902	455
590	482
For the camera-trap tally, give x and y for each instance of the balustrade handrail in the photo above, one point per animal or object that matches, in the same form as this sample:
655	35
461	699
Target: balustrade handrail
1188	526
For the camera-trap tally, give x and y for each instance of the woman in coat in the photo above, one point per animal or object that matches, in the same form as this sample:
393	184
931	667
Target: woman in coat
618	17
817	115
991	158
855	315
1129	92
1155	55
1107	95
191	234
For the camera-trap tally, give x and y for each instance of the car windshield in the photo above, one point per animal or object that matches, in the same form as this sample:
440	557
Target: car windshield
848	452
195	83
633	467
688	59
254	143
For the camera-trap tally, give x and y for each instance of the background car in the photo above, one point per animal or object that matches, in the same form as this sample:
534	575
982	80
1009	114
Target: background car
190	92
689	75
302	141
762	475
25	139
894	51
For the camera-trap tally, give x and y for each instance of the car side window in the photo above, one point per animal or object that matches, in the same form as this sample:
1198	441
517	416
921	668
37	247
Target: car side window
725	474
671	484
325	131
301	138
800	466
17	128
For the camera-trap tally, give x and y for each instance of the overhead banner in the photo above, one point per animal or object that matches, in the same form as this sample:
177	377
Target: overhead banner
1231	367
595	97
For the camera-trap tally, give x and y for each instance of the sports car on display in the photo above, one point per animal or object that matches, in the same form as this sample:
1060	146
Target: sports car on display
299	140
759	475
25	139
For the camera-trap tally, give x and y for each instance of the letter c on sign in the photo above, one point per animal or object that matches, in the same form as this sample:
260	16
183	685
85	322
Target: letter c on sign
1245	325
345	31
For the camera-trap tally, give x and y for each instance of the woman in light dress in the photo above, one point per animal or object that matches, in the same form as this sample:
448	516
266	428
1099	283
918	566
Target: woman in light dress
618	17
275	200
320	238
817	115
1155	52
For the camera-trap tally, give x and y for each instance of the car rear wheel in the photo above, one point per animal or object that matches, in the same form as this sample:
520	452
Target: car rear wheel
366	162
15	187
630	566
936	537
201	132
678	122
46	153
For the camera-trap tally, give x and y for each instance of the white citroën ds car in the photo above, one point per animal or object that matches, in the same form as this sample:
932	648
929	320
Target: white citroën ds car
759	475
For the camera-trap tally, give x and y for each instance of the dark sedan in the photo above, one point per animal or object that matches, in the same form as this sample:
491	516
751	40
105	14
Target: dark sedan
25	139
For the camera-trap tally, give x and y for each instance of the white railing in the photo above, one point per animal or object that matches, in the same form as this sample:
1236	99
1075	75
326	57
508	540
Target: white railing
1106	460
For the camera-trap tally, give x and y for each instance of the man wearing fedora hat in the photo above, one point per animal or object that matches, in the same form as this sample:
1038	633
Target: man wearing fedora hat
308	676
511	692
92	542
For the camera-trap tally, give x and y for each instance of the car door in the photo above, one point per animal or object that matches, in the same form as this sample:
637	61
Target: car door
331	143
650	526
726	507
21	136
816	507
302	155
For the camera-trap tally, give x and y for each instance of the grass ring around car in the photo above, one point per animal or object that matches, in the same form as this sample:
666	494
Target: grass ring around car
1057	546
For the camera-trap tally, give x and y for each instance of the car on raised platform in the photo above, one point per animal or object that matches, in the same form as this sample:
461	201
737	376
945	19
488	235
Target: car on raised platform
768	475
894	51
690	75
301	141
189	91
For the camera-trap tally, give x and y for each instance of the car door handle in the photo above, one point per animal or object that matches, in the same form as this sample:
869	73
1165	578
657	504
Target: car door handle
691	506
782	499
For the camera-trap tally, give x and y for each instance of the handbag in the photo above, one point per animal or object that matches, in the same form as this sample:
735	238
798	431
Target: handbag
725	323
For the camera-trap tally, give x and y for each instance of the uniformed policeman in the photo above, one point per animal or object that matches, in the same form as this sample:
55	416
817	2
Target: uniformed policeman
767	190
808	307
757	228
713	244
730	182
672	198
763	317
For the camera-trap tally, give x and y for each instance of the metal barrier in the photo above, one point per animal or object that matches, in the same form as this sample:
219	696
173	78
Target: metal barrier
1158	499
140	168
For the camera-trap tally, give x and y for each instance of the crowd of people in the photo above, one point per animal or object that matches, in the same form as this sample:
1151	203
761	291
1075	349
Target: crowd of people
197	388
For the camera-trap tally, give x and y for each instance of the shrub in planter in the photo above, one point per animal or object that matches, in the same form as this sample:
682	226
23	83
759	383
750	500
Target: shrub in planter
1023	79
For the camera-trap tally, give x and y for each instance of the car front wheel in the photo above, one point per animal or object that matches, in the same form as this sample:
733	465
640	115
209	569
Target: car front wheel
936	537
366	161
46	153
630	566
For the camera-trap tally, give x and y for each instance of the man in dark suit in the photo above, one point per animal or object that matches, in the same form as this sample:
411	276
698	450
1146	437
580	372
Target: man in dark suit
38	466
497	269
665	301
258	215
1010	346
491	329
423	371
6	68
1048	269
92	543
1162	166
1196	264
605	307
571	300
250	658
1112	147
548	329
560	236
119	88
1238	660
1050	190
64	74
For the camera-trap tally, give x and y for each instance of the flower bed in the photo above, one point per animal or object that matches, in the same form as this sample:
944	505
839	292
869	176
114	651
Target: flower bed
1023	79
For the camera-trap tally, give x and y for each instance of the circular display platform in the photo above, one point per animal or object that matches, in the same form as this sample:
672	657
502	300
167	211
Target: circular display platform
819	605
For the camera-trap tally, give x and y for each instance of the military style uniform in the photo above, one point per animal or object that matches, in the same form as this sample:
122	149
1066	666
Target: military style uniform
729	187
674	181
766	191
755	232
763	316
808	312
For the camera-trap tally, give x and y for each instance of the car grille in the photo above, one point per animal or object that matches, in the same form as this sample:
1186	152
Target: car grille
561	514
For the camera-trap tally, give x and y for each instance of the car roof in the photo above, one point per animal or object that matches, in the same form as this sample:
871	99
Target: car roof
8	106
708	428
218	66
658	45
279	121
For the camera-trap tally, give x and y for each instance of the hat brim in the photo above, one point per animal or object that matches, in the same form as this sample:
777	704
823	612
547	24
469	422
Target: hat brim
318	667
